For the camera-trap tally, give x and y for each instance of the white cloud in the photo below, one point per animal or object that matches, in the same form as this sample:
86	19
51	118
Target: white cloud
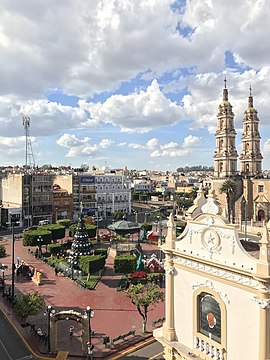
190	141
152	143
170	153
136	146
266	147
76	146
137	112
122	144
105	143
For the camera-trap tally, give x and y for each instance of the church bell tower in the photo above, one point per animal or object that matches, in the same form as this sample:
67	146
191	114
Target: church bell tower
251	157
225	157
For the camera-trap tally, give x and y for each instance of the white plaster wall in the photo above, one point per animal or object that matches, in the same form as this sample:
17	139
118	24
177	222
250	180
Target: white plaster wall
242	315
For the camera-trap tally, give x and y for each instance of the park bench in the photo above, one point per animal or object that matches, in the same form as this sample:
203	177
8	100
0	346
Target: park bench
81	283
158	321
123	337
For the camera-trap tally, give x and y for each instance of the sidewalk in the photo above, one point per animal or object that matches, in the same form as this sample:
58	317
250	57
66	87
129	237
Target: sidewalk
114	313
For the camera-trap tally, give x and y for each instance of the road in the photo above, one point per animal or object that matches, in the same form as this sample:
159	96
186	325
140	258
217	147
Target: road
153	351
11	346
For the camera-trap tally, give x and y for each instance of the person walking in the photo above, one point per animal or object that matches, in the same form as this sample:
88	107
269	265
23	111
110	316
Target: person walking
71	331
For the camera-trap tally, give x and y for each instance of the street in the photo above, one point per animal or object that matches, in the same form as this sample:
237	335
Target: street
152	351
11	346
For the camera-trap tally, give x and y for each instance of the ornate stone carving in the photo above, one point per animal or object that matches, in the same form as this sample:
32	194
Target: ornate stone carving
263	303
169	270
210	285
224	274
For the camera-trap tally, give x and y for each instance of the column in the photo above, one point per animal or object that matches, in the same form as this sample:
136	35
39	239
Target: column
168	329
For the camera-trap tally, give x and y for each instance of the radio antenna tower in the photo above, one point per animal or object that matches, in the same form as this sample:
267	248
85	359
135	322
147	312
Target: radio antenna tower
29	155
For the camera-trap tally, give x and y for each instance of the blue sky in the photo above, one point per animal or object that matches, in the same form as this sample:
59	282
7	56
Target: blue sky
129	83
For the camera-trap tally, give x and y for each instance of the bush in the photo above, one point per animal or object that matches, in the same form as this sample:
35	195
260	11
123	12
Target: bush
101	251
29	304
64	222
91	229
146	226
54	249
58	231
125	264
91	264
2	251
30	237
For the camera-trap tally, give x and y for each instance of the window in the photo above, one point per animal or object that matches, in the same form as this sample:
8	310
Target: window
209	317
260	188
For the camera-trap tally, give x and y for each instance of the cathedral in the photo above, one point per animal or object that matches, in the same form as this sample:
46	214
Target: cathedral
252	195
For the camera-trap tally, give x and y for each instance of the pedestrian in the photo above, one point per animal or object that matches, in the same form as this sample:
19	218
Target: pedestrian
56	271
71	331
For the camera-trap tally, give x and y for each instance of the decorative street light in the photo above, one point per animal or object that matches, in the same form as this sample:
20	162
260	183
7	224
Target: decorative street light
49	312
90	347
13	221
3	268
39	241
74	262
160	236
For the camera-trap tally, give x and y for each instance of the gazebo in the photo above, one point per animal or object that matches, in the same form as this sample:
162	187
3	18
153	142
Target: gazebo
123	227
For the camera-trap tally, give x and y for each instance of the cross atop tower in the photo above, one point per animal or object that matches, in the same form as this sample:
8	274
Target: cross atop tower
225	83
250	90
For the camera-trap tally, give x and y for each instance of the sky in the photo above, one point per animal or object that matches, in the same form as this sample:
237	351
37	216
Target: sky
133	83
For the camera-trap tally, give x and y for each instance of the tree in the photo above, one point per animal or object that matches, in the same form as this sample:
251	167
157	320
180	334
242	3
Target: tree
229	188
142	296
2	251
29	304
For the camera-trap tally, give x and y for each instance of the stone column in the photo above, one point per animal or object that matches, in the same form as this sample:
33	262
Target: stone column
264	338
168	329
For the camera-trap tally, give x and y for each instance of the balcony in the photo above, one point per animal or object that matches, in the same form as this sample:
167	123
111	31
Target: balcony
206	348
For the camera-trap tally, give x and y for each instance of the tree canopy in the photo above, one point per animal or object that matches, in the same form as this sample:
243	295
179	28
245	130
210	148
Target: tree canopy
229	188
29	304
142	296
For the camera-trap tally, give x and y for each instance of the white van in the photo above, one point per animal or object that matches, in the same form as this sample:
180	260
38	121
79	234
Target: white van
43	222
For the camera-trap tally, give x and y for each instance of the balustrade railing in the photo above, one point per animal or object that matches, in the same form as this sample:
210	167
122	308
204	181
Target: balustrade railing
213	352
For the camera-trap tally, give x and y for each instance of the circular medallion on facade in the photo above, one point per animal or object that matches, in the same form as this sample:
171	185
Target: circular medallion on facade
210	239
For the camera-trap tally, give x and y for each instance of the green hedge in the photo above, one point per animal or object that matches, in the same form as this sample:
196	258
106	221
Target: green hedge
54	249
91	264
146	226
101	251
125	264
30	237
64	222
91	229
58	231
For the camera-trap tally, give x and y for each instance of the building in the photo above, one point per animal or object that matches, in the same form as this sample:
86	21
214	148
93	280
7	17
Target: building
62	204
99	194
217	294
28	196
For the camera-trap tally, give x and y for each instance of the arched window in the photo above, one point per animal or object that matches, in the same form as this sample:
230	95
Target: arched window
209	317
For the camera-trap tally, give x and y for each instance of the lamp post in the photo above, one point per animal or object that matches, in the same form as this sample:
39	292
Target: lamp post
90	347
160	236
245	207
49	312
13	221
39	241
73	263
3	268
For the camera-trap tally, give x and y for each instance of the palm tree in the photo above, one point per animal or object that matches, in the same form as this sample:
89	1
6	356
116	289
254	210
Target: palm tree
229	188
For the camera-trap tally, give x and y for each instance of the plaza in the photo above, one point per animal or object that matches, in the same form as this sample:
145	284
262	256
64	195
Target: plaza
114	315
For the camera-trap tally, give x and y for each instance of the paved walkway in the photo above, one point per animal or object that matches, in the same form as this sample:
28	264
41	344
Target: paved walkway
114	313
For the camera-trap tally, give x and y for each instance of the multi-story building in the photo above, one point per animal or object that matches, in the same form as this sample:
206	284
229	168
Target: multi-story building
62	204
98	194
29	196
142	185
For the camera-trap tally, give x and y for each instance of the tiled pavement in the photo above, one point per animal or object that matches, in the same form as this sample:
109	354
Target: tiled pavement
114	314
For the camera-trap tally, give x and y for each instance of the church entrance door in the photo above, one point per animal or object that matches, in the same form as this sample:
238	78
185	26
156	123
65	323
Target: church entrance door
261	215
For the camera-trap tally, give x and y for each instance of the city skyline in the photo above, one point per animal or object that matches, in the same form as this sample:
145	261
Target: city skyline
129	84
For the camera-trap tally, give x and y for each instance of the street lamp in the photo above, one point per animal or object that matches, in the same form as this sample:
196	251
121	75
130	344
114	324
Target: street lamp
3	268
73	264
13	222
160	236
90	347
39	241
49	312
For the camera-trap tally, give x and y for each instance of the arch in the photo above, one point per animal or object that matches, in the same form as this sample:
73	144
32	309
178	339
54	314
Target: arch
210	316
261	215
69	315
220	167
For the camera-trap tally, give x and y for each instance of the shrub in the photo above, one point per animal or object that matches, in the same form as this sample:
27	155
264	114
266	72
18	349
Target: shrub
58	231
30	237
101	251
29	304
2	251
146	226
54	249
64	222
125	264
91	264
